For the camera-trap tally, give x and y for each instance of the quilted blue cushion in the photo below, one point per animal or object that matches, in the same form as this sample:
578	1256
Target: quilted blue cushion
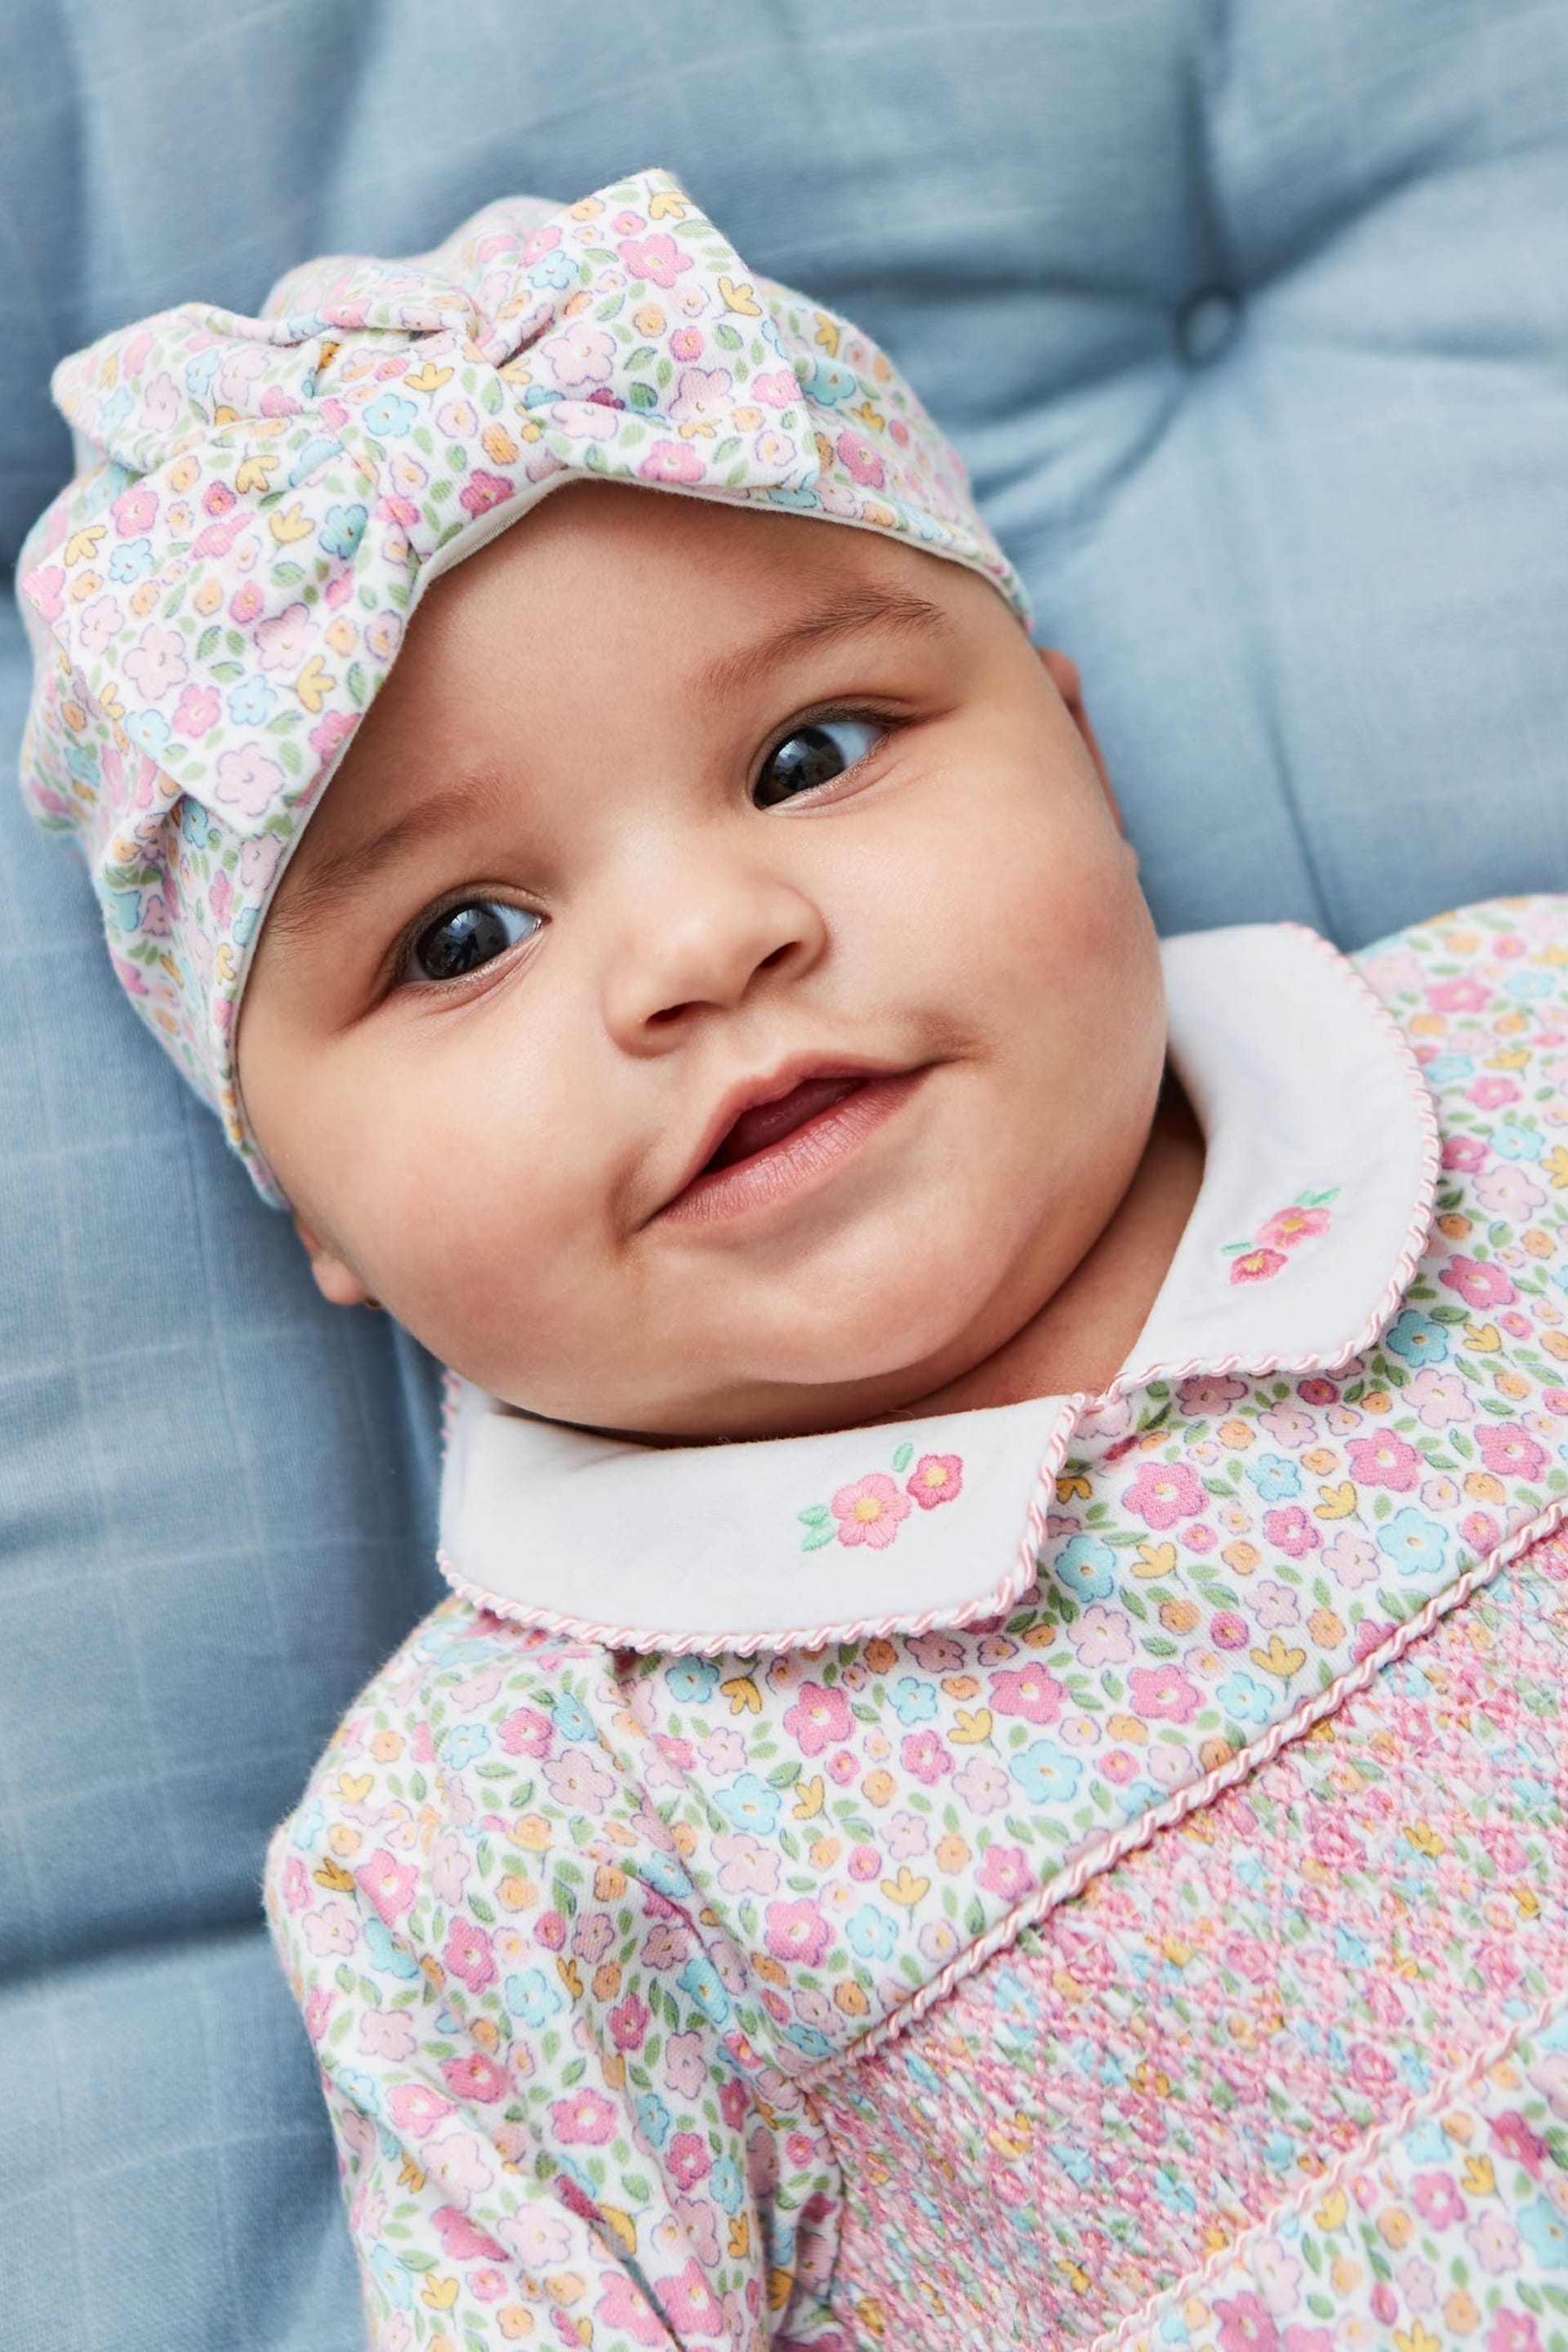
1272	302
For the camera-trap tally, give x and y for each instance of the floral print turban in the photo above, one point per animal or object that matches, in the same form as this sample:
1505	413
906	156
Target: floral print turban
215	598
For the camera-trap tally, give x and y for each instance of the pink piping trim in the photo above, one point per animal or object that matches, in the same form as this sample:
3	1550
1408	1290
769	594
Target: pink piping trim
1097	1859
1026	1567
1359	2159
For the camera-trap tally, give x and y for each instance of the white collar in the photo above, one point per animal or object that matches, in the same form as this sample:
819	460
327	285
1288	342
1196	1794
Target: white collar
1307	1095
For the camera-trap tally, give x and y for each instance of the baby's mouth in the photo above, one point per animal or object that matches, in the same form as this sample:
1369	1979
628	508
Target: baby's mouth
770	1123
790	1143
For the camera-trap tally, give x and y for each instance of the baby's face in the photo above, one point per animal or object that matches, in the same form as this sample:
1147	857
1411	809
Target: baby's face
714	996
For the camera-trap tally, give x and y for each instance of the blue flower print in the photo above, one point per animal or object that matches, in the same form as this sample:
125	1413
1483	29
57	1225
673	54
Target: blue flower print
691	1680
390	2274
725	2186
700	1979
871	1933
343	528
149	730
1417	1339
1513	1141
1545	2231
311	459
913	1701
1275	1477
573	1720
390	418
361	2089
1086	1568
828	383
1416	1544
387	1957
750	1804
462	1743
1046	1774
201	371
554	269
118	407
132	560
1449	1070
1530	983
252	703
1244	1698
531	1996
665	1875
655	2118
807	2040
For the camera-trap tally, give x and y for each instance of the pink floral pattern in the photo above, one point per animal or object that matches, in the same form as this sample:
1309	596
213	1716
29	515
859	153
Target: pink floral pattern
1234	2010
870	1510
790	1916
1268	1253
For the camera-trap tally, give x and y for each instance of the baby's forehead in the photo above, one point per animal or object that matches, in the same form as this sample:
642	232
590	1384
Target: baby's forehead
605	578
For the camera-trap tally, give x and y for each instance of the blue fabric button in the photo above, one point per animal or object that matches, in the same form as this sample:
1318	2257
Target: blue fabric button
1204	328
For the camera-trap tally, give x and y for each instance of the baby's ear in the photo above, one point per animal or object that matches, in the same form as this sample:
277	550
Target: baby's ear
335	1279
1062	671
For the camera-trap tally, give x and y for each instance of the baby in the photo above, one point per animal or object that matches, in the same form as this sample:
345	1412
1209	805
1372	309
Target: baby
992	1774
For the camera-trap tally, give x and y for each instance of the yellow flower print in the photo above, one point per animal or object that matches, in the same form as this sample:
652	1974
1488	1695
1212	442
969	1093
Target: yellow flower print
256	471
1425	1839
668	205
1416	2338
740	297
906	1890
1277	1659
827	334
1336	1502
1333	2213
314	683
742	1693
1154	1559
810	1796
428	378
1072	1486
83	545
292	525
971	1727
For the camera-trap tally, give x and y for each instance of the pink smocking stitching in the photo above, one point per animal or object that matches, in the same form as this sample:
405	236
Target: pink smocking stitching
1354	2159
1095	1860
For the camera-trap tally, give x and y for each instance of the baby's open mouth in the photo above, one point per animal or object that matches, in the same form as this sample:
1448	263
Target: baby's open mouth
792	1141
770	1123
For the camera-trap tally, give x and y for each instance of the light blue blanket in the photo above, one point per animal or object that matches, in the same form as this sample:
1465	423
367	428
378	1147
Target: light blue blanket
1274	303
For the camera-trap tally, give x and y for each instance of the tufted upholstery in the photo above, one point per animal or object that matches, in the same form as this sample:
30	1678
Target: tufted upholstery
1274	306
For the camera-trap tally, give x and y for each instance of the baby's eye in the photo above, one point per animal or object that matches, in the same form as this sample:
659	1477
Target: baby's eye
467	936
814	755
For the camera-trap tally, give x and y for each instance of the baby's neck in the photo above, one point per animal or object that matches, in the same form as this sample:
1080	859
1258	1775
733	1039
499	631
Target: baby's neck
1081	1337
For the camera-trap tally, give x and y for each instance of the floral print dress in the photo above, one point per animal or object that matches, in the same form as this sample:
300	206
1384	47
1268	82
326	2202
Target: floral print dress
1085	1872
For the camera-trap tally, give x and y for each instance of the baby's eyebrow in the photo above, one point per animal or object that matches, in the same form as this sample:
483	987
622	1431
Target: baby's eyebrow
343	870
853	611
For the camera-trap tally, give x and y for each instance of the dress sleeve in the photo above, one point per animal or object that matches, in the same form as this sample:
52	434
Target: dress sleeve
548	2128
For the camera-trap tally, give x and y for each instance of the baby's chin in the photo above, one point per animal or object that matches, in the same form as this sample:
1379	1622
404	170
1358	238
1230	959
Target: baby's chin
803	1387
